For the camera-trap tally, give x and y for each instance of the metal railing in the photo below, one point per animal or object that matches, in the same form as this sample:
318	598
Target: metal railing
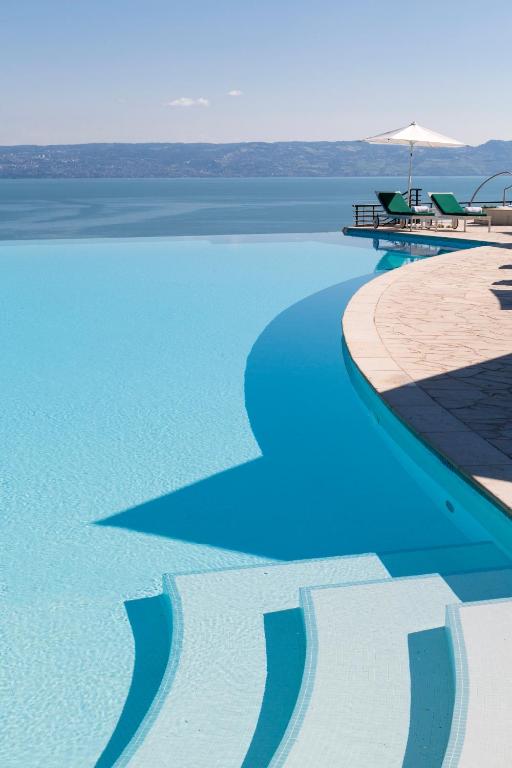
490	178
365	213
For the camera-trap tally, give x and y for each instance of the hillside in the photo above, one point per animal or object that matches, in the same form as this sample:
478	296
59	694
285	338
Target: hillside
315	159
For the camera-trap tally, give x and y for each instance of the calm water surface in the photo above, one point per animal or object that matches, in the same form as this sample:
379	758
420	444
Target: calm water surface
160	207
170	405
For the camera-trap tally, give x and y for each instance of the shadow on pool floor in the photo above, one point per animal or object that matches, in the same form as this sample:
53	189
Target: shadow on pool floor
326	483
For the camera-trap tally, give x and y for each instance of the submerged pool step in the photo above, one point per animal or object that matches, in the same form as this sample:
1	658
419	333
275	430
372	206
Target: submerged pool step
482	650
355	703
482	585
207	709
477	556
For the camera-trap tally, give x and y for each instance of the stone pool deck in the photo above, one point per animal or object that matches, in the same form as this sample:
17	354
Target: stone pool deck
434	339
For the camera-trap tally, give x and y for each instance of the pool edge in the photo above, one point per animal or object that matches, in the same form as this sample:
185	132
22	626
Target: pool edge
363	343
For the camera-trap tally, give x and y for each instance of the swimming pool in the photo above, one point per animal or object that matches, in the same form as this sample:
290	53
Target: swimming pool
172	405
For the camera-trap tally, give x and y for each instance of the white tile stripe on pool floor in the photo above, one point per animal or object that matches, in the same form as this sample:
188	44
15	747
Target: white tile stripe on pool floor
354	706
207	709
481	644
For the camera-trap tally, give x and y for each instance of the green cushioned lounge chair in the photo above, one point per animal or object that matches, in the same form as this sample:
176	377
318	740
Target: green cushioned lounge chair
449	207
396	208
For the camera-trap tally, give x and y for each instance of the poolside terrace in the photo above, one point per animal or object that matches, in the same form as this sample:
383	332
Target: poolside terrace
434	340
442	218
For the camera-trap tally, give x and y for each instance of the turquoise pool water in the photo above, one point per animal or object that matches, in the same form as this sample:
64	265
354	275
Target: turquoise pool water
171	405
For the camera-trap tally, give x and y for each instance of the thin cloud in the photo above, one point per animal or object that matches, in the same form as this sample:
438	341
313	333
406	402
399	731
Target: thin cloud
235	93
186	101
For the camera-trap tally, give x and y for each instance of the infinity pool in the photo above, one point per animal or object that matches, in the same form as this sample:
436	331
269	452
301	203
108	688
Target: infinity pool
171	405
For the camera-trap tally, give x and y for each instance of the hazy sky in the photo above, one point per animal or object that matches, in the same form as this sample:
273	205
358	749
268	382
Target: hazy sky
243	70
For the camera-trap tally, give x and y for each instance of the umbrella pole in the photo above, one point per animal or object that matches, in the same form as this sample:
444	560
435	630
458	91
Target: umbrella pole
409	190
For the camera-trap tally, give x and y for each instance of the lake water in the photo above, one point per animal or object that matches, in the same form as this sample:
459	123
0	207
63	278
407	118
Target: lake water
49	208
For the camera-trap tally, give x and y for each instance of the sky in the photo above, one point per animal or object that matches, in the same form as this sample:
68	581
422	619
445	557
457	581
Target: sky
75	71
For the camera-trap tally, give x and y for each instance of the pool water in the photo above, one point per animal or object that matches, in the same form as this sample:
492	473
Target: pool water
400	248
171	405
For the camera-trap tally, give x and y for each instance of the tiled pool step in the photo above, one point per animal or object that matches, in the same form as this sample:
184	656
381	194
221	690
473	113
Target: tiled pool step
483	585
211	708
207	709
482	648
355	702
478	556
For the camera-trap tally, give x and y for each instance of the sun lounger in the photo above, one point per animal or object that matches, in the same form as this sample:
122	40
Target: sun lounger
448	206
396	208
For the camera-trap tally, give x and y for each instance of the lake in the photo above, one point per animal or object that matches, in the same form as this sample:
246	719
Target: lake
72	208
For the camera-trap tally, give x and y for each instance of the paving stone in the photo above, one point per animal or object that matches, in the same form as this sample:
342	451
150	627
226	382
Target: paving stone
448	328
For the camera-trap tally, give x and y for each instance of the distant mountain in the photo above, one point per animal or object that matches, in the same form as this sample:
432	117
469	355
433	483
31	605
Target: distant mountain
283	158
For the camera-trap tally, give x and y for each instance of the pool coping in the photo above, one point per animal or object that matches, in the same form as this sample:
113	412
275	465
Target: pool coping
401	391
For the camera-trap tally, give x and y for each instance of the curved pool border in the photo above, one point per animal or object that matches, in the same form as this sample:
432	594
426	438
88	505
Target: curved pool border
386	387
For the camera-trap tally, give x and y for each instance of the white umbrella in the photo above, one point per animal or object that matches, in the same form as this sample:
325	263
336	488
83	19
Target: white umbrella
415	135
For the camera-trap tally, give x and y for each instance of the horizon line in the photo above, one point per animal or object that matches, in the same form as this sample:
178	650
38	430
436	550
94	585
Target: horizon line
214	143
